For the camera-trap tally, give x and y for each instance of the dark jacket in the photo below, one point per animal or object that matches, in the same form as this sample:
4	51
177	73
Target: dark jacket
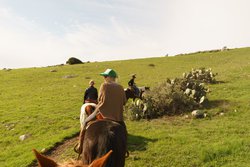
90	93
131	82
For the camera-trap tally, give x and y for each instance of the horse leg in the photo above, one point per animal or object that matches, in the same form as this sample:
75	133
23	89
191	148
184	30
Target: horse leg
141	94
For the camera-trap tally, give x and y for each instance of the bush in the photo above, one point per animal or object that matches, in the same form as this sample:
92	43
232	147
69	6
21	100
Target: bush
74	60
174	97
171	97
133	112
151	65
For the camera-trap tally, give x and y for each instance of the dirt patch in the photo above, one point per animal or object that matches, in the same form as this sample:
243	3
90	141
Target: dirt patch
59	149
56	152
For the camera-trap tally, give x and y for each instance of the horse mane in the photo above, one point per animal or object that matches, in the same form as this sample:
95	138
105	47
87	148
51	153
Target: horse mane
72	163
102	136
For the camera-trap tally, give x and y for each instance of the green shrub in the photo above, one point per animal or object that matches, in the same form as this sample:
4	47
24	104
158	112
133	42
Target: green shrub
174	97
133	112
74	60
171	97
168	98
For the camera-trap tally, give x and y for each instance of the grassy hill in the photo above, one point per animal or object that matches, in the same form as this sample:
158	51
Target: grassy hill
45	105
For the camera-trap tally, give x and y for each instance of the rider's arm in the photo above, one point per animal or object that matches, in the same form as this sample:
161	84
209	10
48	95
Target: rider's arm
90	117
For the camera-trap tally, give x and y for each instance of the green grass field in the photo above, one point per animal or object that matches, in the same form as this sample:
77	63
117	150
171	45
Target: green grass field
46	105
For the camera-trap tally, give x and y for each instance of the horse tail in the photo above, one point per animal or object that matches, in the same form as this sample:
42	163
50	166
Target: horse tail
85	110
89	109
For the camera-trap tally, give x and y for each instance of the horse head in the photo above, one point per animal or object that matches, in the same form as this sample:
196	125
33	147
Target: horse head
44	161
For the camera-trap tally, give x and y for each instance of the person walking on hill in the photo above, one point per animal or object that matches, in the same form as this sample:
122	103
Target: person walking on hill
91	93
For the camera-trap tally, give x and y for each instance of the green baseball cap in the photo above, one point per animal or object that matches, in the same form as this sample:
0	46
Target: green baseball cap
110	73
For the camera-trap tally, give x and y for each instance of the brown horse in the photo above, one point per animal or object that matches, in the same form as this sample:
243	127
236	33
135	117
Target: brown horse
102	136
130	93
44	161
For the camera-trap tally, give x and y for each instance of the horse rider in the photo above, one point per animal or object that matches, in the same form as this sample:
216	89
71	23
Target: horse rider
91	93
111	100
133	86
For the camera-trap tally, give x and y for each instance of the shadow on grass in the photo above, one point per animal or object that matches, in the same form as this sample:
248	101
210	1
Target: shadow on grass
224	104
219	82
138	143
218	107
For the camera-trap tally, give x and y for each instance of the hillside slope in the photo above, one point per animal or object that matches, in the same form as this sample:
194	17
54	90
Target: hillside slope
45	105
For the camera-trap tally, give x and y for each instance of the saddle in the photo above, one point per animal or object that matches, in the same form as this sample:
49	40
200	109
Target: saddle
98	117
90	101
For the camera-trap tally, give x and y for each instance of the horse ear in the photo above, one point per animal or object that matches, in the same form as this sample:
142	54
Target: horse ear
101	161
44	161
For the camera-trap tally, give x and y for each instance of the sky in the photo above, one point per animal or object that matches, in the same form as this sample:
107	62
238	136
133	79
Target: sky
38	33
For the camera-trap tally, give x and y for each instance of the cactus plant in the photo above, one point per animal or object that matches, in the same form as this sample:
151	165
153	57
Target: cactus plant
202	74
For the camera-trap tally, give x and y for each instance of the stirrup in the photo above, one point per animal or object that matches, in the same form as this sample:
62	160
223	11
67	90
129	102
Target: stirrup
77	148
127	154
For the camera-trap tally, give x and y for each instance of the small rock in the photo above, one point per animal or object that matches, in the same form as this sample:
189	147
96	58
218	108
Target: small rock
23	137
198	114
10	126
70	76
53	70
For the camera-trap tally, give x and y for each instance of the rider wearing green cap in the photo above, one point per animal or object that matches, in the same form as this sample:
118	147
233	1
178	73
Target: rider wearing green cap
110	73
112	97
111	100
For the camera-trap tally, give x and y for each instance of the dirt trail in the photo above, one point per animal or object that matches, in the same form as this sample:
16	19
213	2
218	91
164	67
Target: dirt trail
61	148
56	152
